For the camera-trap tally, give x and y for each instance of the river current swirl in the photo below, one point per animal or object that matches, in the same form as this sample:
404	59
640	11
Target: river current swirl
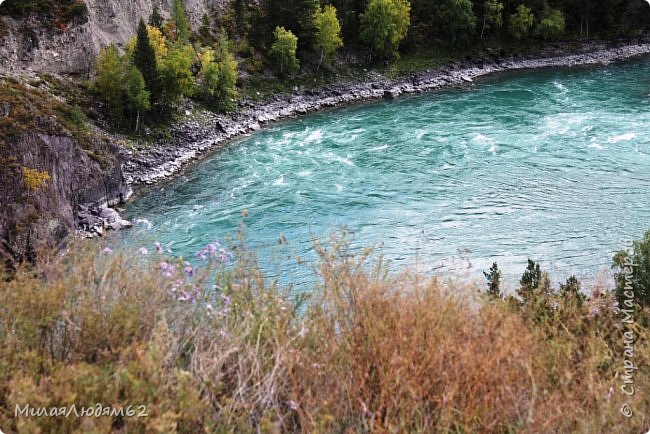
549	165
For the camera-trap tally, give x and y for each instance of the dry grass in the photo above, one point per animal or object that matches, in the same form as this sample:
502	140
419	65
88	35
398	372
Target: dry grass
366	352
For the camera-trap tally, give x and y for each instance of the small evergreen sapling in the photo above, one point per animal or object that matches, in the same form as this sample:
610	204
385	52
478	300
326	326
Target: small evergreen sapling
533	283
494	282
571	289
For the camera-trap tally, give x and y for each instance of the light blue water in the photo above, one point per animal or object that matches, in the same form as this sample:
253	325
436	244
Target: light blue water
553	166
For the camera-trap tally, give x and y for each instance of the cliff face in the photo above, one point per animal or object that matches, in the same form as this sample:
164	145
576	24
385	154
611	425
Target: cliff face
51	161
34	217
33	43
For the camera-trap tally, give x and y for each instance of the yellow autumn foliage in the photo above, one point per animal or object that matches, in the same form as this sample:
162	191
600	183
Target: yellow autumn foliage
157	40
35	179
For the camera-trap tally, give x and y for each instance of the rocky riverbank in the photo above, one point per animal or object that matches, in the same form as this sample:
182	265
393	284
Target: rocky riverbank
203	132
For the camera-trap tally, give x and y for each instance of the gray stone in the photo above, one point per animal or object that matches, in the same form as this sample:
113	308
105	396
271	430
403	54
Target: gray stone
120	224
125	224
5	109
391	93
90	221
109	214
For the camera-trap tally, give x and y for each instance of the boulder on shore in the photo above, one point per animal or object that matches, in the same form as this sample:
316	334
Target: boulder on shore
93	220
391	93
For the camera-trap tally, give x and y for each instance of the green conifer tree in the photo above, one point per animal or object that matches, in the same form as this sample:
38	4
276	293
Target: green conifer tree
494	281
530	280
633	278
296	16
571	289
144	58
155	19
205	31
181	23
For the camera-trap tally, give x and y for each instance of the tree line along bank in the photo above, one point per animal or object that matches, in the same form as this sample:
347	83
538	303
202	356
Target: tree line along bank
167	61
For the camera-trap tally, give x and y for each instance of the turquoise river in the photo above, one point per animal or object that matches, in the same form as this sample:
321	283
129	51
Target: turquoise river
549	165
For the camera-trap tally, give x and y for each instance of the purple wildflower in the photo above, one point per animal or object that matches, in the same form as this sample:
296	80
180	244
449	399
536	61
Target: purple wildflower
186	296
143	251
293	405
158	246
212	248
107	251
167	269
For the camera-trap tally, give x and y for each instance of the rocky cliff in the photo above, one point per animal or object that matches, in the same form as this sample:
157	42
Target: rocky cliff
52	160
39	43
34	217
